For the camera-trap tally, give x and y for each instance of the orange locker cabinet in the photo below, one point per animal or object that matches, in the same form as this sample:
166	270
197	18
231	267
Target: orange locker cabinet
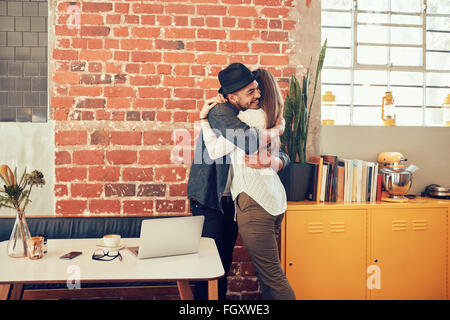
326	253
409	247
368	250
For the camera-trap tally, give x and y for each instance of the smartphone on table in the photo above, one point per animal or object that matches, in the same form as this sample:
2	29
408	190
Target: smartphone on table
70	255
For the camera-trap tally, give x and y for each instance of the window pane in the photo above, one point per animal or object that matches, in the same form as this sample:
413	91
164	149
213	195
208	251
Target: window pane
342	93
383	46
404	96
338	58
409	116
401	35
406	6
438	23
337	4
343	116
368	95
367	116
379	5
336	19
401	19
337	37
372	18
438	60
406	56
437	79
434	116
436	96
438	41
372	34
368	77
406	78
335	76
438	6
372	55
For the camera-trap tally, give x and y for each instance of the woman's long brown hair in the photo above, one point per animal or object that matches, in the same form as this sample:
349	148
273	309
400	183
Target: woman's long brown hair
271	99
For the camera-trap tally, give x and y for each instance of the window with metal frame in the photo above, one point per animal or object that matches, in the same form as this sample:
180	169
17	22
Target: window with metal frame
402	46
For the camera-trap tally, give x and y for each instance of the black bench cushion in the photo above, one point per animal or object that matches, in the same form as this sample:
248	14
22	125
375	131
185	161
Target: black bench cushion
77	227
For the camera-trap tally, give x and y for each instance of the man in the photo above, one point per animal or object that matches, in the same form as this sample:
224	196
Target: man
209	181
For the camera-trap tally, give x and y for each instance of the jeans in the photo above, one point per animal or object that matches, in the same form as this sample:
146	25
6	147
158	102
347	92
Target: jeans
258	230
223	229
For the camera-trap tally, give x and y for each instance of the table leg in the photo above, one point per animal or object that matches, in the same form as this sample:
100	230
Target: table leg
185	290
16	291
4	291
213	290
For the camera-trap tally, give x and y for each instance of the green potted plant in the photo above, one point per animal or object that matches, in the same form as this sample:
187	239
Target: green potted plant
297	113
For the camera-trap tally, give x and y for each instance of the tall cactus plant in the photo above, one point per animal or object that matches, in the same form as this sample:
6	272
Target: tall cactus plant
297	113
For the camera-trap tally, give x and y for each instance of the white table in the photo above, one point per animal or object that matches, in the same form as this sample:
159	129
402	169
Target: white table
204	266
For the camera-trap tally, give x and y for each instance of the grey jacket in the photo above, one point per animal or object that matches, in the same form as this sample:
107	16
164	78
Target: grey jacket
208	178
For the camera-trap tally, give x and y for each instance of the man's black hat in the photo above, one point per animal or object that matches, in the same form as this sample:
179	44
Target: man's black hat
235	77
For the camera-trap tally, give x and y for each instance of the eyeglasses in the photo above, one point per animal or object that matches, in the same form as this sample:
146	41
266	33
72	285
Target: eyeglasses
102	255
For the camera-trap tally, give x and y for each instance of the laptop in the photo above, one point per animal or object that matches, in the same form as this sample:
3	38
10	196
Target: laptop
169	237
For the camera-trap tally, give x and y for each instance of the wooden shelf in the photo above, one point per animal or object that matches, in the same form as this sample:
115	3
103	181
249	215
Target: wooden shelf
416	202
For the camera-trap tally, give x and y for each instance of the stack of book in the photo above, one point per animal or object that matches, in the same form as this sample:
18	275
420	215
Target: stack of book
344	180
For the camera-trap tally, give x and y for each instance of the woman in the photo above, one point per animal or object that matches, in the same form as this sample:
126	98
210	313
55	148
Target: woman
259	196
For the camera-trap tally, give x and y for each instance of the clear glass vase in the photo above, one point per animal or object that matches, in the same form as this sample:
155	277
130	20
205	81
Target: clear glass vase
20	235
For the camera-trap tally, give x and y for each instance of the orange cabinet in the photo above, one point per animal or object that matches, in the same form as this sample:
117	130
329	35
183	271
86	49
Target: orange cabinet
326	253
367	251
409	246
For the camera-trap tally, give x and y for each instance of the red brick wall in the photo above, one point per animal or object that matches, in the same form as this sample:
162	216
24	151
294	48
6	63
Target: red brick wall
130	74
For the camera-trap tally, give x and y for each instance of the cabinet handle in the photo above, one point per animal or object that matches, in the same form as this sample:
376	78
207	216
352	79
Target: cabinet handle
376	260
290	264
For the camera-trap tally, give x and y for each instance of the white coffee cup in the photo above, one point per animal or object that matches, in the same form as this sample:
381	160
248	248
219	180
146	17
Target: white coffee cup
111	240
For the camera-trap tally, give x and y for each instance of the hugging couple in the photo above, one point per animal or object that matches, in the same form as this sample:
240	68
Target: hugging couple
233	181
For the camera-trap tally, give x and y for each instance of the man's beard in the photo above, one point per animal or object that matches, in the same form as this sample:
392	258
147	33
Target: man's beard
254	104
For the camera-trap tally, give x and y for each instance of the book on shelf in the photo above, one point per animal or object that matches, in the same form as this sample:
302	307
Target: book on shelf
378	196
373	196
354	179
324	181
331	182
340	181
365	167
318	161
370	168
312	186
359	174
344	180
348	180
372	184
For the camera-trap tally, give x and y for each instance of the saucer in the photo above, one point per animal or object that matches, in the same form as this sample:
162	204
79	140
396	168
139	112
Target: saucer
118	247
